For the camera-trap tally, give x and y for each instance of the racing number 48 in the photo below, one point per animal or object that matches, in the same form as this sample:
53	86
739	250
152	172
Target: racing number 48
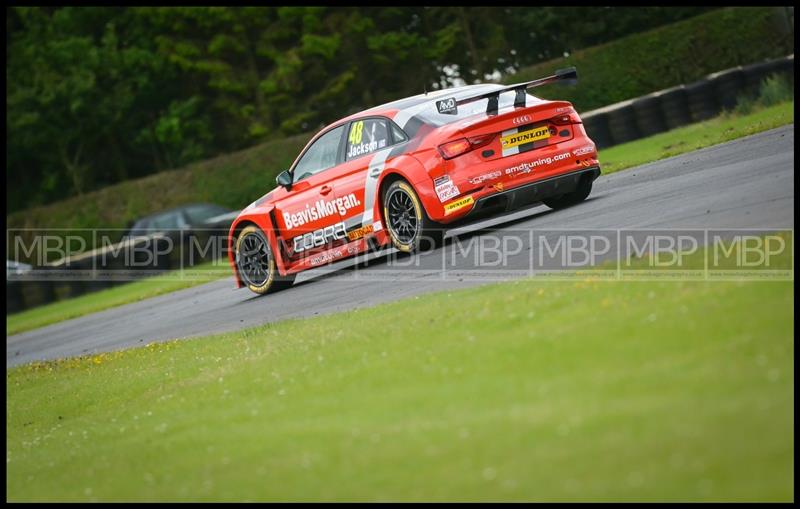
356	133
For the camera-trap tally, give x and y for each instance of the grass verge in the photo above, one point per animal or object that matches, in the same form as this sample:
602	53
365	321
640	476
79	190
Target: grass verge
726	127
111	297
530	390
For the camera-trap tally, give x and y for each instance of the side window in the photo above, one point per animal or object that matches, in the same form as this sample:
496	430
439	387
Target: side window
319	156
398	134
168	221
367	136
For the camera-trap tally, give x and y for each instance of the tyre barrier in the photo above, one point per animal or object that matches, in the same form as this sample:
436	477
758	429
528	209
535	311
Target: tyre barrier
755	74
622	122
14	302
596	126
36	293
728	86
702	100
649	116
608	126
674	106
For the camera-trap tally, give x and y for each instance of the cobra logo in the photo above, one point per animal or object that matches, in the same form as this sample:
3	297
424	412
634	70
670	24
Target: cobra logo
319	237
521	120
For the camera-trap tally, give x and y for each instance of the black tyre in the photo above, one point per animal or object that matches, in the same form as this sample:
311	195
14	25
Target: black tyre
567	200
702	100
728	85
675	107
408	224
256	263
622	123
649	117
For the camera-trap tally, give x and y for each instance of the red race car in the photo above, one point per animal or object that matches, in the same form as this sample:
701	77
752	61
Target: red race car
401	172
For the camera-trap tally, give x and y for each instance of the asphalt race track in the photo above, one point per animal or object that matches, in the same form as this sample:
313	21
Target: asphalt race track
746	183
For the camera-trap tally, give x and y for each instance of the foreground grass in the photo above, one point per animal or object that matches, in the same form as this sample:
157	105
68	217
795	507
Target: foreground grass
725	127
113	297
531	390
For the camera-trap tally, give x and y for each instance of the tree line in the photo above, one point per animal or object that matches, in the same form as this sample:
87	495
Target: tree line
97	95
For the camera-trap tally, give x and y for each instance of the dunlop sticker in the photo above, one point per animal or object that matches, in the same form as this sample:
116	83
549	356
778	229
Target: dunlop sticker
516	139
458	204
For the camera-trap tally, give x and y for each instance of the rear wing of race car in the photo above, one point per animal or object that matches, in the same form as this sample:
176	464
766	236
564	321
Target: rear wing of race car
450	105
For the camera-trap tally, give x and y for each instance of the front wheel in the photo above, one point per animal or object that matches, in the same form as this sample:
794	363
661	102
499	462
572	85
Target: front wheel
408	224
567	200
256	262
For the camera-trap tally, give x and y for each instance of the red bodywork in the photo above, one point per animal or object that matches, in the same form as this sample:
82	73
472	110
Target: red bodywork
353	187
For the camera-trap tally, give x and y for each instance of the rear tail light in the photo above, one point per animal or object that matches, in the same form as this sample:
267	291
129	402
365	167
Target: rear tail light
479	141
461	146
566	119
455	148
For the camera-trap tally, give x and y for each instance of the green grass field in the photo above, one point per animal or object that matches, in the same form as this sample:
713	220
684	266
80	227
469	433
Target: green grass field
115	296
529	390
724	128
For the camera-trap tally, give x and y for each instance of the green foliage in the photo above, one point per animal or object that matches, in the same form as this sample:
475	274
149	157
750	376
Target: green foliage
98	95
774	89
679	53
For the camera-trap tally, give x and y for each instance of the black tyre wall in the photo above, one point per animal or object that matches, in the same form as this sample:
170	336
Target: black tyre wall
702	100
649	116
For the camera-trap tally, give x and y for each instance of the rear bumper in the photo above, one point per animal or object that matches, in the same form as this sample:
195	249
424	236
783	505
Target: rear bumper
527	194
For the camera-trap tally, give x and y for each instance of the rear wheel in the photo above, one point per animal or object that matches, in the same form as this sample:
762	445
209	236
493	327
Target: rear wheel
256	262
567	200
408	224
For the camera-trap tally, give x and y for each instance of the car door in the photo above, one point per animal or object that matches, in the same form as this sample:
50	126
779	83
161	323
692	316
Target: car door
367	146
308	216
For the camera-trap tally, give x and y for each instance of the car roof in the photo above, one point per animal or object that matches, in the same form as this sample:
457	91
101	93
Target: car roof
417	100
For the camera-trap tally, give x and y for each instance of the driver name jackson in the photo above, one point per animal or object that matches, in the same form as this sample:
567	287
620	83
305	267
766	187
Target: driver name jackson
321	209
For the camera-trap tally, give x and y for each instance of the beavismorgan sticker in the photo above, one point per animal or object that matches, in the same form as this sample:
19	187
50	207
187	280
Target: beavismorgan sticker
458	204
320	210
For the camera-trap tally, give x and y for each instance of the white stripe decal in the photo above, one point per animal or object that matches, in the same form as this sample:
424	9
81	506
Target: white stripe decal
513	150
376	167
378	163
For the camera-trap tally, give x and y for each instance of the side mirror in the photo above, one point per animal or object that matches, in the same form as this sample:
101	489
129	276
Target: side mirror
284	179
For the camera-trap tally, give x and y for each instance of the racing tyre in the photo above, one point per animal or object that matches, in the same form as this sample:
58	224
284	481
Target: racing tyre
567	200
408	224
256	263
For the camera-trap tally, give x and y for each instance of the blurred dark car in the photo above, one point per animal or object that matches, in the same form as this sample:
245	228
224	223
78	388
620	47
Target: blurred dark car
187	217
15	268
